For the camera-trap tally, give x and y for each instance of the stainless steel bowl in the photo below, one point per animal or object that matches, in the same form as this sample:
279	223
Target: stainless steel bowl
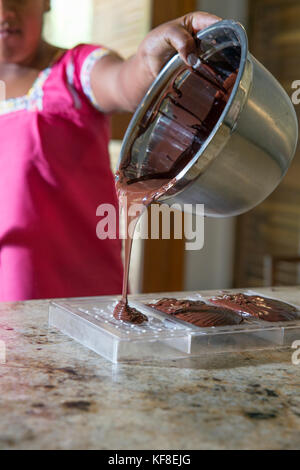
248	150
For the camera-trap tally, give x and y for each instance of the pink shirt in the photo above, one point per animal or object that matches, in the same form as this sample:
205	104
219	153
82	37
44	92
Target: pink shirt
54	173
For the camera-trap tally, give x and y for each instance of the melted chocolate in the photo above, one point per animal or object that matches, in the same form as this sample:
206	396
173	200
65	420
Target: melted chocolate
259	307
190	118
129	314
197	312
137	193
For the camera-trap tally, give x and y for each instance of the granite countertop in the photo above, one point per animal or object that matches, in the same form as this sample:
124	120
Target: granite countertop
56	394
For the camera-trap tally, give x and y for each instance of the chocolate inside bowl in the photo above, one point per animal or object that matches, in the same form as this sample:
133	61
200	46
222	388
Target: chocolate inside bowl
266	309
180	112
197	312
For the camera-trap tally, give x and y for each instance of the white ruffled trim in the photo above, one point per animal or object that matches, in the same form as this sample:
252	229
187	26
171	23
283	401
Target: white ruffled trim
32	101
86	71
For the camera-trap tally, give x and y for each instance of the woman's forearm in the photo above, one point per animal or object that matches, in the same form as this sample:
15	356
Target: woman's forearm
120	85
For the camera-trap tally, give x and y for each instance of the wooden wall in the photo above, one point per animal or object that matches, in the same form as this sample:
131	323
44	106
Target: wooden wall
273	227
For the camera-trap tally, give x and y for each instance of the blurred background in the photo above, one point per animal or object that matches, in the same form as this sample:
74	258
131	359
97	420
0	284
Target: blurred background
259	248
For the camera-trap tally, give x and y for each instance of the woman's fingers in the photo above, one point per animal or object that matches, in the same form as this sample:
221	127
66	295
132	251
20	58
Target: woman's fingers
182	41
199	20
176	36
179	34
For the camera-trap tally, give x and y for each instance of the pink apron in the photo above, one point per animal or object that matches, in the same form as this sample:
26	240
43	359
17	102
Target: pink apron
54	173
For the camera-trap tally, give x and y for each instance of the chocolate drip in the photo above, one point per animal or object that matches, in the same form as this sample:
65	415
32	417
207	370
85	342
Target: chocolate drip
129	314
259	307
197	312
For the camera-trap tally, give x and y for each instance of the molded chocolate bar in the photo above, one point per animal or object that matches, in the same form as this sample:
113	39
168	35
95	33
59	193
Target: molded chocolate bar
197	312
259	307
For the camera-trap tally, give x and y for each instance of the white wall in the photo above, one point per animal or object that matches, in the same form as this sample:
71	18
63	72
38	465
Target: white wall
227	9
69	22
212	267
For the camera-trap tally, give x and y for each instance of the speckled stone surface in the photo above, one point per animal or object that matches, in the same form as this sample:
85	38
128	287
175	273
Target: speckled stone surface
55	394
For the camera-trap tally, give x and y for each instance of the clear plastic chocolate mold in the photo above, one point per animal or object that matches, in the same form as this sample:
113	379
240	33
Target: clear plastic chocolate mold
90	321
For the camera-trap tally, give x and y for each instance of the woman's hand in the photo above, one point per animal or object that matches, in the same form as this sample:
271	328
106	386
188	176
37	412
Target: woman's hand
120	85
176	36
